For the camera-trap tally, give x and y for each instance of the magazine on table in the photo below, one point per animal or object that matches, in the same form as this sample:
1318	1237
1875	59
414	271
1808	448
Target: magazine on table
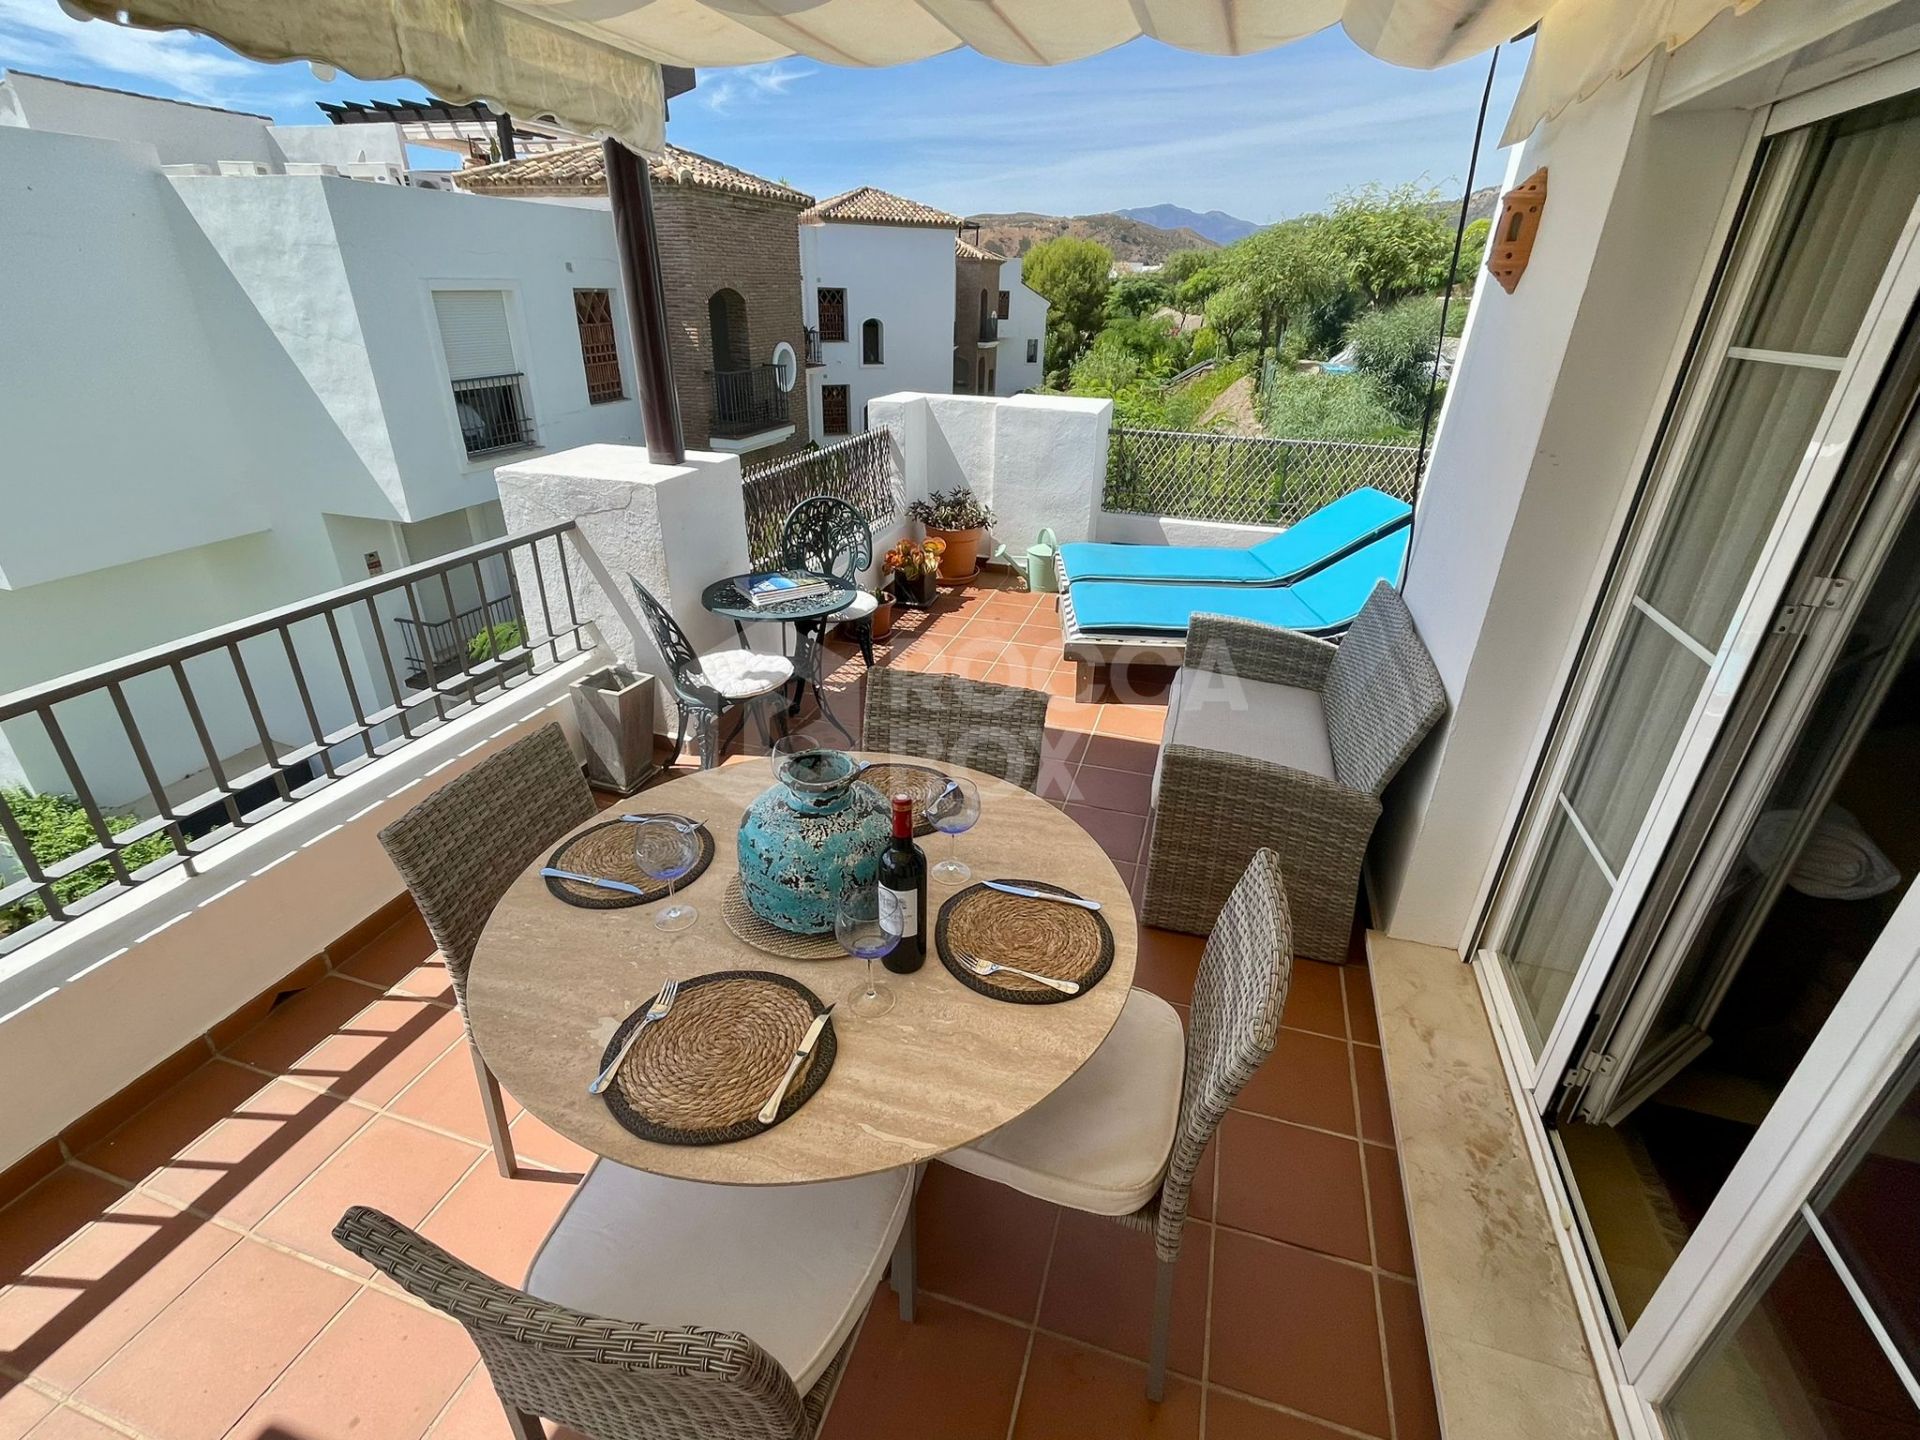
772	587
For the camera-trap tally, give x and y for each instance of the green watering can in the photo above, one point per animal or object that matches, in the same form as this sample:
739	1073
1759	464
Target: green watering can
1040	566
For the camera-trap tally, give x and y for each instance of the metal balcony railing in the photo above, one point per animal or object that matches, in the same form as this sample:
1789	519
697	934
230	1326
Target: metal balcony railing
815	356
989	328
747	400
436	647
209	707
493	413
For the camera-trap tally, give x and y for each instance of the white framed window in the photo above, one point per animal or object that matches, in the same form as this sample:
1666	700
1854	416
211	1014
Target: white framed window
489	391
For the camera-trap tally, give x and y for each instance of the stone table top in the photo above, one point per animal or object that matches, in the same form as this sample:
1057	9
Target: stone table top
550	982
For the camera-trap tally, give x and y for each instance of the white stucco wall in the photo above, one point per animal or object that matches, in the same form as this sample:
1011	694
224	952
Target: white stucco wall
178	132
1026	320
899	274
1541	440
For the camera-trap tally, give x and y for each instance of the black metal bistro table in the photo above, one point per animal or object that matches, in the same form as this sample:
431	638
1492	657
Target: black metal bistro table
808	616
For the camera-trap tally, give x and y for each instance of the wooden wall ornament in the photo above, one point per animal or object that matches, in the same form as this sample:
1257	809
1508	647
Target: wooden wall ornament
1511	244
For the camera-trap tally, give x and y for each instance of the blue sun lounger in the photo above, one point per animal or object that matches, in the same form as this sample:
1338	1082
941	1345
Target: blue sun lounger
1334	530
1108	622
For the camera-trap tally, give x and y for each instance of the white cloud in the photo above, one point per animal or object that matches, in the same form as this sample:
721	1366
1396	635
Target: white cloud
36	35
723	91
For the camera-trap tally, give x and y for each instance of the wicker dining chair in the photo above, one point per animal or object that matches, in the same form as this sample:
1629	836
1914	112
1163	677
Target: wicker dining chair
706	686
998	729
826	534
780	1276
460	848
1124	1137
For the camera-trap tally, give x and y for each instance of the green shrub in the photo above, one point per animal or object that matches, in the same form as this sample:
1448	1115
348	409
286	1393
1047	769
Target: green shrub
503	637
55	827
1309	406
1395	347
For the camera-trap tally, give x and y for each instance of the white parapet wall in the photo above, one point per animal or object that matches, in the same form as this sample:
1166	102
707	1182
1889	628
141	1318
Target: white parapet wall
92	1006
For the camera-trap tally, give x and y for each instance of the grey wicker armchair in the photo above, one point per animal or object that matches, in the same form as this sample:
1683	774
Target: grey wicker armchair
1124	1136
460	848
998	729
1276	738
609	1379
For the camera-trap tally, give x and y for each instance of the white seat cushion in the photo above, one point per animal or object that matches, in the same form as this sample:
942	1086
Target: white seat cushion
1100	1142
743	674
790	1266
863	605
1284	724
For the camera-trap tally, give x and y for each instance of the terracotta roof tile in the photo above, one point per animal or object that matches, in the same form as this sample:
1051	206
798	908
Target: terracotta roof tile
582	169
974	252
868	206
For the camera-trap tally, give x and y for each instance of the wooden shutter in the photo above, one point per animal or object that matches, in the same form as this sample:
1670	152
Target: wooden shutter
1006	304
833	409
593	313
833	314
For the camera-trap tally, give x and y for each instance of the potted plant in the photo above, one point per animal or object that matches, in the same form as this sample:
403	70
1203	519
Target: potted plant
915	568
959	519
882	616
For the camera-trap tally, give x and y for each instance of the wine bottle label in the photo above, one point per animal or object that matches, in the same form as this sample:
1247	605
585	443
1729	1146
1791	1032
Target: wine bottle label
900	911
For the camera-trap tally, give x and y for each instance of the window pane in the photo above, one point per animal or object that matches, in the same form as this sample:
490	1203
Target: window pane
1648	692
1861	176
1802	1366
1565	896
1874	1222
1750	444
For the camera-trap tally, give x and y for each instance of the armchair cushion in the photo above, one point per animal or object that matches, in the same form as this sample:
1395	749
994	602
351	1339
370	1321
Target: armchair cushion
1255	719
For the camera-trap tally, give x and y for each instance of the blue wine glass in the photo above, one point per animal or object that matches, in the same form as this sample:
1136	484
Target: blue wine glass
953	811
666	848
863	934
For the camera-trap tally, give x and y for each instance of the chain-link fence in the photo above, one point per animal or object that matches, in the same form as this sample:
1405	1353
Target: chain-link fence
859	471
1246	479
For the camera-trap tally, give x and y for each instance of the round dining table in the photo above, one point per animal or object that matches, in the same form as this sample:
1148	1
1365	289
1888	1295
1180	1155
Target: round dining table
550	982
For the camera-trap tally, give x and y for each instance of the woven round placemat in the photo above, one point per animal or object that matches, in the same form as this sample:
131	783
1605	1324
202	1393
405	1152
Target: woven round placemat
763	936
1063	941
607	851
700	1075
920	783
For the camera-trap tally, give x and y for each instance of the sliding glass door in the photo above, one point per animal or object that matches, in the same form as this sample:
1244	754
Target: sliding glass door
1819	278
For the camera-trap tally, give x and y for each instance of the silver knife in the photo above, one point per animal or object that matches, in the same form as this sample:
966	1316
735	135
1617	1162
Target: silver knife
1024	893
579	879
771	1110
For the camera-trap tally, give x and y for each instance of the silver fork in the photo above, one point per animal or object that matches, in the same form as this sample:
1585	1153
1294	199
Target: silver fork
662	1003
984	968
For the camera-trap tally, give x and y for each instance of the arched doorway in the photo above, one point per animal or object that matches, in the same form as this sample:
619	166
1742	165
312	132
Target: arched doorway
727	331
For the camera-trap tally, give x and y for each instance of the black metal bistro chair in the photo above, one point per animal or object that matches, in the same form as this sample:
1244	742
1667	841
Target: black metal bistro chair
708	686
827	534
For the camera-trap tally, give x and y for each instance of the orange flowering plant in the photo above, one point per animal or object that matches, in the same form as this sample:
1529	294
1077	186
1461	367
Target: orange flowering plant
914	558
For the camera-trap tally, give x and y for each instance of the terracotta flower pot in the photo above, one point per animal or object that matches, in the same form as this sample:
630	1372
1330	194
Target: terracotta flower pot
962	557
883	617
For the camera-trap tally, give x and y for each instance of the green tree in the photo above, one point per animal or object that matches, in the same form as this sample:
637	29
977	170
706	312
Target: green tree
1138	295
1182	265
1394	242
1473	250
1073	275
1284	272
1191	294
55	826
1395	347
1231	315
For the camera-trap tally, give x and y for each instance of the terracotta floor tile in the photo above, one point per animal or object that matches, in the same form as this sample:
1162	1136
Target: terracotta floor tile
1291	1184
992	627
1306	1081
48	1215
383	1368
174	1121
68	1423
1314	999
1063	747
298	1024
448	1095
1359	985
388	1164
381	1050
1071	1390
1133	722
80	1305
983	1243
1062	683
1298	1329
1119	835
1370	1075
969	646
1127	791
1229	1417
1072	715
1100	1289
1393	1244
197	1368
1168	960
496	1224
1200	1199
950	1375
539	1143
1118	752
252	1160
391	954
429	981
21	1408
1414	1413
1055	781
475	1413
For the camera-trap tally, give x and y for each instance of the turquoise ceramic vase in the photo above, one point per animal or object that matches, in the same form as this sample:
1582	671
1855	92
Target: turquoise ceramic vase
805	836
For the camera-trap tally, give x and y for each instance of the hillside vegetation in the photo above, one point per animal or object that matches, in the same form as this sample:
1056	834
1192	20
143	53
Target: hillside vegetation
1135	240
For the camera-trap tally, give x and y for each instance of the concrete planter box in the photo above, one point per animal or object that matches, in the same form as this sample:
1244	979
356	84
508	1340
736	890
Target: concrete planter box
614	709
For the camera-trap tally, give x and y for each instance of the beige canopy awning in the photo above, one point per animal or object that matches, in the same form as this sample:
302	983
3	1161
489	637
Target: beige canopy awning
594	65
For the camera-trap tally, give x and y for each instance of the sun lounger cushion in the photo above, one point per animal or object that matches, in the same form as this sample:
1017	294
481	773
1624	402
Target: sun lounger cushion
1325	601
1353	519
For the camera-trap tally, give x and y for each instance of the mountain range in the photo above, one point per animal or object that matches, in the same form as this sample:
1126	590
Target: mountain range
1129	239
1215	225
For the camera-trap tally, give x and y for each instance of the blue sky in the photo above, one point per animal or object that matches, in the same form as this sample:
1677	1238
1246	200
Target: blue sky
1262	137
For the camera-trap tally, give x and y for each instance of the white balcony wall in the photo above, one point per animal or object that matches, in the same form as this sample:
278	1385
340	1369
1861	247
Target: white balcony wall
178	132
1542	440
900	275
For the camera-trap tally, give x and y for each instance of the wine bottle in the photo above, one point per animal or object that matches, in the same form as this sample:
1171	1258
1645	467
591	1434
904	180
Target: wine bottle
903	892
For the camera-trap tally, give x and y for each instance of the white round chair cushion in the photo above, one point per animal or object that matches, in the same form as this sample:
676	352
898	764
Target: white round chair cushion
863	605
744	674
